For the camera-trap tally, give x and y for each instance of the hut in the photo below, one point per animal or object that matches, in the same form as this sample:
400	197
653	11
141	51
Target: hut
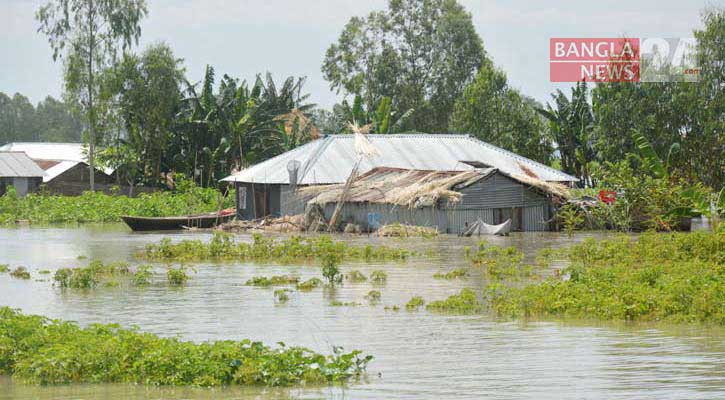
19	171
446	200
268	188
65	166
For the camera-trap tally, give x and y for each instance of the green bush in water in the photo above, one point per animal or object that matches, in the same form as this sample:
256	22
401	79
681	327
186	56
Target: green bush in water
142	276
356	276
466	302
453	274
177	276
373	296
677	277
90	276
330	271
4	268
34	349
20	273
414	303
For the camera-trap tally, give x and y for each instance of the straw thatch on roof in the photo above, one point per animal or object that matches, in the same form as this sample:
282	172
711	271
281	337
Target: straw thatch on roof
415	188
410	188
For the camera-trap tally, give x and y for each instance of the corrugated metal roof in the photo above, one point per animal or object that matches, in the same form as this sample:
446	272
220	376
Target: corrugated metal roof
52	151
57	169
331	159
15	164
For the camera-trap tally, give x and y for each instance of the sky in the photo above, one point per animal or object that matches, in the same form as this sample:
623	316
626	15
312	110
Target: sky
242	38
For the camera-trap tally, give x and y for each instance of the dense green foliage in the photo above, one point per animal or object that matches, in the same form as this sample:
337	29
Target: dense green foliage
657	277
50	121
99	207
273	281
90	276
466	302
88	34
38	350
223	246
420	54
20	273
452	274
496	113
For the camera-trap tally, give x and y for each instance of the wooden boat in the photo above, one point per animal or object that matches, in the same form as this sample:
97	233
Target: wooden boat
481	228
176	223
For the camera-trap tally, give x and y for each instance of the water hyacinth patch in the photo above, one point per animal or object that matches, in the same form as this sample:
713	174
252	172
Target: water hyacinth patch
453	274
379	277
356	276
678	277
38	350
273	281
466	302
414	303
4	268
309	284
20	273
222	246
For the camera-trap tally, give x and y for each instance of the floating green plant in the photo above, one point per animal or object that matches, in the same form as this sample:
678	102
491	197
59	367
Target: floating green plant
676	277
309	284
20	273
42	351
177	276
273	281
44	271
393	308
142	276
466	302
453	274
89	276
330	270
356	276
281	295
222	246
4	268
336	303
373	296
414	303
378	276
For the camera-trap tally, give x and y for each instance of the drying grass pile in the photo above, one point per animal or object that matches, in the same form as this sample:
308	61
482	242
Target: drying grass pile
404	231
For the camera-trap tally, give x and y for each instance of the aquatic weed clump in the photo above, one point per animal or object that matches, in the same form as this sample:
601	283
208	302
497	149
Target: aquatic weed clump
678	277
89	276
452	274
20	273
273	281
466	302
34	349
222	246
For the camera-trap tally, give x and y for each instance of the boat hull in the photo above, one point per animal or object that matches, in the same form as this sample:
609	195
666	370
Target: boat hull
175	223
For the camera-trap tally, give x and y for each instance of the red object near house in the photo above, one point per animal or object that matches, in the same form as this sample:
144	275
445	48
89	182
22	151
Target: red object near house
607	196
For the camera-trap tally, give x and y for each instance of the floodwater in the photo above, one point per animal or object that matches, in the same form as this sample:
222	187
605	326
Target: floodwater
418	355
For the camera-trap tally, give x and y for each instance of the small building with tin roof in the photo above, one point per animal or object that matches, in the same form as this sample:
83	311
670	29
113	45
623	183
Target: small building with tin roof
19	171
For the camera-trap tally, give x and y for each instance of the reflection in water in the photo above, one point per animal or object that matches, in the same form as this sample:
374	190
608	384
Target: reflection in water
417	354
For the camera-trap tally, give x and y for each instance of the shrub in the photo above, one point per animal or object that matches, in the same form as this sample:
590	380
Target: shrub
177	276
378	277
356	276
309	284
4	268
453	274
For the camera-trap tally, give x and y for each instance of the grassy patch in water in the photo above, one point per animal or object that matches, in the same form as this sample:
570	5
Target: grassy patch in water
356	276
452	274
466	302
309	284
678	277
20	273
414	303
378	277
4	268
223	247
34	349
276	280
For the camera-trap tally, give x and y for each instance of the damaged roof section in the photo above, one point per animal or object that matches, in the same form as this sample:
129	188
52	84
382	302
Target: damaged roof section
415	188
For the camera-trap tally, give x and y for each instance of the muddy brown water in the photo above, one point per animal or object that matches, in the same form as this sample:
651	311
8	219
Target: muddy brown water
417	354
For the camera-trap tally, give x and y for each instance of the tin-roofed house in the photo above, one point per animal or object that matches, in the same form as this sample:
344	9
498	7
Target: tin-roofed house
65	165
269	188
19	171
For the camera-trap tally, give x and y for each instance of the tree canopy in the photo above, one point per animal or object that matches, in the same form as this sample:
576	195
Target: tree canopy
419	53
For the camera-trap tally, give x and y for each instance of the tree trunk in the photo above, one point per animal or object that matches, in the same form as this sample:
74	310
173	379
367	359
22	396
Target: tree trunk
91	108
